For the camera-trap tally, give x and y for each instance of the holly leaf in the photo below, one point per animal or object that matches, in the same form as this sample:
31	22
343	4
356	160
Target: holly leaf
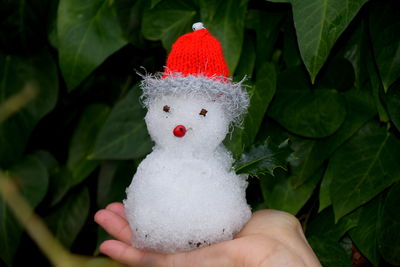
264	159
318	25
88	32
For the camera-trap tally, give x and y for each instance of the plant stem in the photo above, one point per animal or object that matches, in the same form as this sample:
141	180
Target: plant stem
17	101
32	223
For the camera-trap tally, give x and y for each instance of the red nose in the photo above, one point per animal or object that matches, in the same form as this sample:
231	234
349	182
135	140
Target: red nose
179	131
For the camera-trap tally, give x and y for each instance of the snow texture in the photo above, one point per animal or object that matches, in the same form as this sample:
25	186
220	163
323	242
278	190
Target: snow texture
230	95
185	194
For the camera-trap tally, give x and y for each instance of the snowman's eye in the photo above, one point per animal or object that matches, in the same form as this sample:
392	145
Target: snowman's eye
203	112
166	108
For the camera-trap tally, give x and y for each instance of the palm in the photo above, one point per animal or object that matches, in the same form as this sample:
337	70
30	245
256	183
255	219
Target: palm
270	238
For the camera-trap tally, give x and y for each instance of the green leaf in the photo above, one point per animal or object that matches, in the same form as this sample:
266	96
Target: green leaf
388	226
392	100
364	235
323	225
361	109
59	177
225	20
124	134
330	253
88	32
339	74
384	25
318	25
310	114
324	192
260	96
17	72
264	159
247	60
279	192
291	52
130	15
168	21
32	178
356	50
83	141
22	25
266	26
362	168
114	178
68	218
60	183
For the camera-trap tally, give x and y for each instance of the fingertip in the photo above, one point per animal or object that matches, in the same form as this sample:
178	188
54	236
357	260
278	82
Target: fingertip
117	207
99	215
114	205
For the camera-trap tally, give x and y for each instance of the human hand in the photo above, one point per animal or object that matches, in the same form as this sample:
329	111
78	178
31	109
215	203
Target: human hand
271	238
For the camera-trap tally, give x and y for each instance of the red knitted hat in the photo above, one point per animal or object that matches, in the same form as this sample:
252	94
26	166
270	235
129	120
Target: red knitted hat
197	53
196	66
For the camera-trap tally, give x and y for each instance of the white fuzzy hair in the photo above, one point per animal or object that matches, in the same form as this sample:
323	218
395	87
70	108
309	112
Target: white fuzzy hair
232	96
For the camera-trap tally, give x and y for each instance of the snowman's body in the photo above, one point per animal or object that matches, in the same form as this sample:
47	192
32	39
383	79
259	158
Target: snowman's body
185	194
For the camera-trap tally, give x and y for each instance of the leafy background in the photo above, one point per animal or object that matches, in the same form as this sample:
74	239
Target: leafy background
324	81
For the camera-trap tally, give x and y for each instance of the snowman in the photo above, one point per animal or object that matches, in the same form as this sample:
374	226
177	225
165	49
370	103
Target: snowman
185	193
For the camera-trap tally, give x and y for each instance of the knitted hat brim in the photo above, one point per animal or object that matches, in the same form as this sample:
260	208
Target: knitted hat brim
232	96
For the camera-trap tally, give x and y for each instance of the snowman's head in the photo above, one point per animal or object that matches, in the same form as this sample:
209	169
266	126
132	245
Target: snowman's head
190	122
192	111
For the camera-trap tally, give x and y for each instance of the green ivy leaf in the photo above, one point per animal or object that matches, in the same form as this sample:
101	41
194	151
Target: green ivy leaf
280	193
114	178
124	134
168	21
318	25
363	167
266	26
384	25
323	225
83	141
130	14
16	72
32	179
88	32
330	253
264	159
388	226
314	114
392	100
364	235
68	217
260	96
247	60
225	20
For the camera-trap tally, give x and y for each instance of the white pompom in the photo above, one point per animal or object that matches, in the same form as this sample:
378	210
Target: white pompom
198	26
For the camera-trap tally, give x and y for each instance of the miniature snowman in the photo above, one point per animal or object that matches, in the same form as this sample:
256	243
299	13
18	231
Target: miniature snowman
185	193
